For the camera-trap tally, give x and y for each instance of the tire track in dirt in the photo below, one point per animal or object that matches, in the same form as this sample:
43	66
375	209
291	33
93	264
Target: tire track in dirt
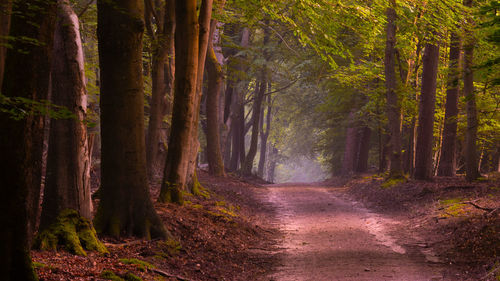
329	238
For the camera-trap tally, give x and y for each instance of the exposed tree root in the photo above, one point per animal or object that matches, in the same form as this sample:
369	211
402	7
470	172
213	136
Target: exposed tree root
71	232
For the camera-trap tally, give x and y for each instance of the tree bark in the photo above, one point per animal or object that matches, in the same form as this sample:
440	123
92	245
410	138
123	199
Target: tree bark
27	68
364	137
125	208
204	37
5	14
215	83
67	184
162	75
423	155
393	104
471	159
264	134
186	67
447	165
247	166
350	147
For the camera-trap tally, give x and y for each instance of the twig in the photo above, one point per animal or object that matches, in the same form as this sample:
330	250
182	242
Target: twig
491	273
166	274
479	207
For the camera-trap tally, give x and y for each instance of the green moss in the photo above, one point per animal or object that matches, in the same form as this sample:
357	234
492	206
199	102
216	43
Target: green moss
220	203
110	275
198	189
390	182
141	265
171	193
37	265
71	232
169	247
453	207
451	201
132	277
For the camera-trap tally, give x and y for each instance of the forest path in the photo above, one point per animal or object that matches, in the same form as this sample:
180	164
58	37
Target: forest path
330	238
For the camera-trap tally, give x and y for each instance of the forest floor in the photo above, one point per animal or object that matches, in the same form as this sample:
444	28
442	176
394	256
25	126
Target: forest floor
336	230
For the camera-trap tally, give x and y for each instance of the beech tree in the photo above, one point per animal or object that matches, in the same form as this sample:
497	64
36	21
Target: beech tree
67	199
162	74
423	156
125	208
25	85
393	104
447	160
186	69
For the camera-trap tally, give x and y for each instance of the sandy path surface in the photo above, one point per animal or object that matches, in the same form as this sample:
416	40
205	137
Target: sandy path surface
329	238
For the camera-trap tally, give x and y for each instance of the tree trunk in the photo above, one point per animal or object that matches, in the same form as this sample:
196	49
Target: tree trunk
215	83
204	38
364	137
27	68
125	208
350	147
272	165
5	14
67	184
247	166
447	165
162	81
393	104
423	155
186	67
471	159
264	134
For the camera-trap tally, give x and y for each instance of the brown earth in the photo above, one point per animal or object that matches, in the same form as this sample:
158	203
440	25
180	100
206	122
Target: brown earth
337	230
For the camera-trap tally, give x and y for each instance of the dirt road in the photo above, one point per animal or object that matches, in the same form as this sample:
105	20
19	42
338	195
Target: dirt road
329	238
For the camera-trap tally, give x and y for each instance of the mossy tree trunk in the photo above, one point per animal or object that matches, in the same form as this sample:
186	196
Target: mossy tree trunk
215	83
67	184
423	155
125	208
447	159
27	69
186	67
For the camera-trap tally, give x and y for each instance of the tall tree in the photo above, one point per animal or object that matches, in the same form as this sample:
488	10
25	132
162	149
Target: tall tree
186	69
247	165
162	74
67	197
25	83
125	207
447	159
423	155
471	157
205	16
264	135
67	183
214	87
393	103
